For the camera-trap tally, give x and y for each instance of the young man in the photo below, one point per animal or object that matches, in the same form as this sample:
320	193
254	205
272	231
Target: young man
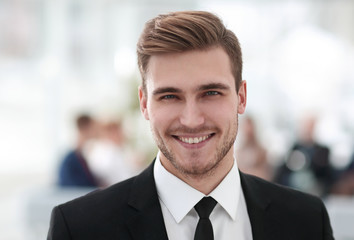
192	93
74	170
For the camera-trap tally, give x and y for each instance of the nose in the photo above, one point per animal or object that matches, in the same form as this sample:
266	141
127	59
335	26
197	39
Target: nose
192	115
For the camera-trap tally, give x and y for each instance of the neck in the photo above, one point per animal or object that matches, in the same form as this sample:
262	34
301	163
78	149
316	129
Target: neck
205	182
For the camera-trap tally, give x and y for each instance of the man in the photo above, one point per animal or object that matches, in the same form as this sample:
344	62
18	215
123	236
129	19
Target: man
192	93
307	166
74	170
108	156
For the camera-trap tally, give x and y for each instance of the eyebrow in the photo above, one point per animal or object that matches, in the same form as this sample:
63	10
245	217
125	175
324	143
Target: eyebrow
166	90
204	87
209	86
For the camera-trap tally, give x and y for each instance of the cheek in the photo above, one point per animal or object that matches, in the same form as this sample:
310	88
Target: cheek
161	117
221	111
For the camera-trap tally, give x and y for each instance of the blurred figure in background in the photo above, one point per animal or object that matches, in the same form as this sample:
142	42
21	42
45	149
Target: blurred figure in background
109	157
345	183
251	156
351	163
74	170
307	166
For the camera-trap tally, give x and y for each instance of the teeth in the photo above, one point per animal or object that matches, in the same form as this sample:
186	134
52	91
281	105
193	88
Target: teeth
193	140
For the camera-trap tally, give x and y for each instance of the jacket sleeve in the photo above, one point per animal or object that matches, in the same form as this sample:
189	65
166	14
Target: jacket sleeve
327	229
58	229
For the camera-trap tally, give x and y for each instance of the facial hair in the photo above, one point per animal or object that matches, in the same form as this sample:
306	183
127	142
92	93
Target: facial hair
195	171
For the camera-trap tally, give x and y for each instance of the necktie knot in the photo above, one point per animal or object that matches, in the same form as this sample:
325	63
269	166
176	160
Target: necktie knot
205	206
204	230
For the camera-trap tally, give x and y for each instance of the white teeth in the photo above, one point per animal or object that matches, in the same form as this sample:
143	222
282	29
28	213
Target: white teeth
193	140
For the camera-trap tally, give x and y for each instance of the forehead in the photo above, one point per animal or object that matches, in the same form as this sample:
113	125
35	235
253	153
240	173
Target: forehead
189	68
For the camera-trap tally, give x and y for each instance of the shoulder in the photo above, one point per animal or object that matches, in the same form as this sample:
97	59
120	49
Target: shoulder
105	213
70	157
285	211
108	198
280	196
101	214
123	197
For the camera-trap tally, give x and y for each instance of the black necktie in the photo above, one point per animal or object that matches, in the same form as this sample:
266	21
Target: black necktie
204	229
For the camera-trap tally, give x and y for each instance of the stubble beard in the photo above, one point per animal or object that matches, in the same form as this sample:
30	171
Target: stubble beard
196	171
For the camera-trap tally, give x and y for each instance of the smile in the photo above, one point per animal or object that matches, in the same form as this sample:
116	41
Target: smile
194	140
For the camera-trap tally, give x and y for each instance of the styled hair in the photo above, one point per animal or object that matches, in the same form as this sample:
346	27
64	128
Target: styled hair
183	31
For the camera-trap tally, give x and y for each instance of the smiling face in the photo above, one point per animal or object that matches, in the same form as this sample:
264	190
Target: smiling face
192	105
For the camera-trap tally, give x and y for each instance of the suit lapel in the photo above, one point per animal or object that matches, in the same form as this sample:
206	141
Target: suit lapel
149	222
258	206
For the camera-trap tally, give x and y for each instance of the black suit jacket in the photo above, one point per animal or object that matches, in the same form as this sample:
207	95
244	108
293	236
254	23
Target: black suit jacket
131	210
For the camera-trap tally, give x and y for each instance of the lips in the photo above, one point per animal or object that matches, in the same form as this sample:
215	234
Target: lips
193	140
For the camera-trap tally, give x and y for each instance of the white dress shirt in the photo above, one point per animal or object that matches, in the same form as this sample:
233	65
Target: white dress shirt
229	218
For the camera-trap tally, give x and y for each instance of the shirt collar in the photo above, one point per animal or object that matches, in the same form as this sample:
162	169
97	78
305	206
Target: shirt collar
169	189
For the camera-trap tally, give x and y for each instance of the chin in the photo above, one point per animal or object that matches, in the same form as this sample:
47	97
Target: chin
196	167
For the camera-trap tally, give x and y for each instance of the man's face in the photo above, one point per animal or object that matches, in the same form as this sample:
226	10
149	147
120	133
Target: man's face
192	104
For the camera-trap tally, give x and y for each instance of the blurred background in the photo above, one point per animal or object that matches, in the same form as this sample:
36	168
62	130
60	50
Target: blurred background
61	60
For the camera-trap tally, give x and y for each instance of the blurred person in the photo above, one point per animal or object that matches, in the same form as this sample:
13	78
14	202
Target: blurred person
109	157
345	183
74	170
192	93
250	155
350	166
307	166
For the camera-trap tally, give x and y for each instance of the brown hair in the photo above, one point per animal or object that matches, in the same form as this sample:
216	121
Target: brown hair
187	30
83	121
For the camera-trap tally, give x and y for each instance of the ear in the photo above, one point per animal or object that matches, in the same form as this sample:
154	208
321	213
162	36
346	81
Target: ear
242	97
143	103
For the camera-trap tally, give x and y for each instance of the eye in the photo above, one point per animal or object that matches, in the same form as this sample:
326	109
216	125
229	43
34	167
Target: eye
212	93
168	97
